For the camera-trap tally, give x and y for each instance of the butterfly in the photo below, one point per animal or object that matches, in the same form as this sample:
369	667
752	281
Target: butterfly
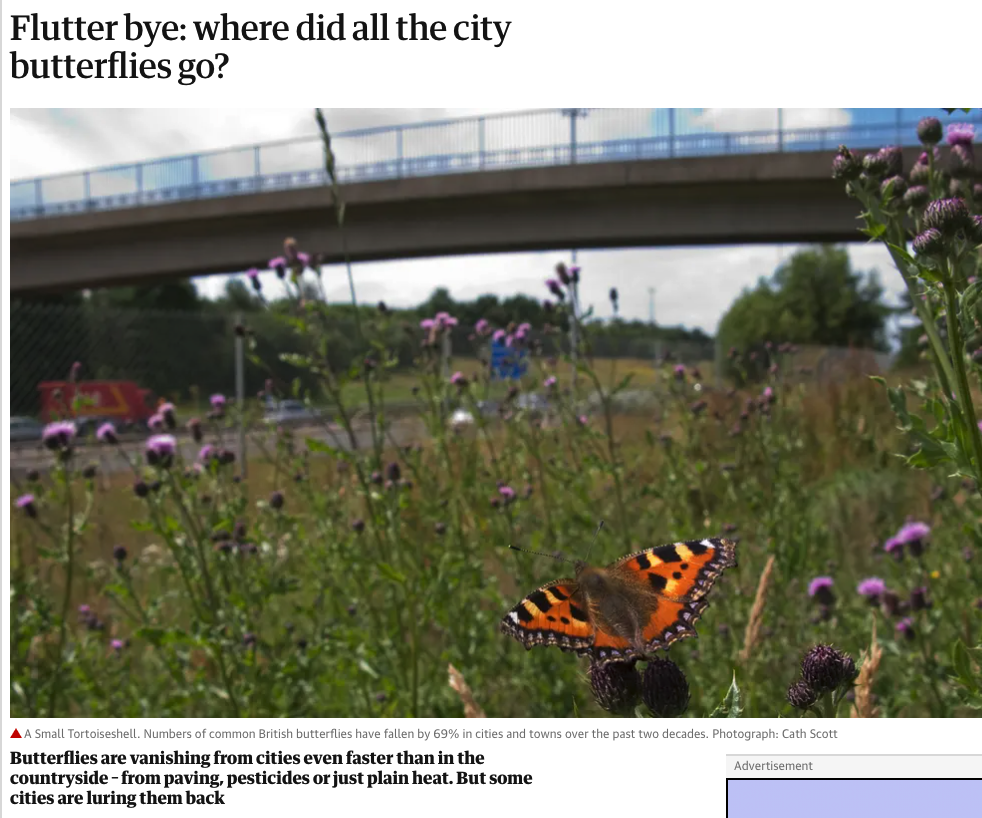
625	611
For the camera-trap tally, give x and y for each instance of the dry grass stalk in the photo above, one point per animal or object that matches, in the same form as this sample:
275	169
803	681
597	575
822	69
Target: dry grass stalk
471	708
752	636
863	708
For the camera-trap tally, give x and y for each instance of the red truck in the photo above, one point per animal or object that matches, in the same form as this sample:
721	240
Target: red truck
122	402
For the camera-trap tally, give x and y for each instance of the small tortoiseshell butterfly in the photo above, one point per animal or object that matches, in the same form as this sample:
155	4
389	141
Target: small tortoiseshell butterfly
627	610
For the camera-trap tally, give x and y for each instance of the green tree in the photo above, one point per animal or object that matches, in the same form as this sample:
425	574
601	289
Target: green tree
815	297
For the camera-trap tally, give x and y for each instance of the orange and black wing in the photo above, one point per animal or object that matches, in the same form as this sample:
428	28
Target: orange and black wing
551	616
681	572
677	578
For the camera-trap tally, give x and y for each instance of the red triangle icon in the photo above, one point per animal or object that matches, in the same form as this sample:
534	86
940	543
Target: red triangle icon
16	734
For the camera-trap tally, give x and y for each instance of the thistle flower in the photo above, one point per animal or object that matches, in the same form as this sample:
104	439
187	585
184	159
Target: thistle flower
844	165
929	131
276	500
820	589
876	165
905	628
393	472
974	230
358	525
550	382
498	336
194	427
913	535
892	604
919	600
947	215
917	196
894	547
458	380
664	689
482	327
929	242
117	645
207	453
563	273
155	422
106	433
26	504
141	489
555	288
679	372
616	686
440	528
872	588
961	162
574	273
893	156
218	402
59	435
119	553
825	669
166	411
801	696
960	133
253	275
279	265
160	450
893	187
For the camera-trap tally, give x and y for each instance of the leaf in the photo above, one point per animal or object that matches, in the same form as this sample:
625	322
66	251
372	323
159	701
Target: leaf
367	668
730	707
391	573
963	667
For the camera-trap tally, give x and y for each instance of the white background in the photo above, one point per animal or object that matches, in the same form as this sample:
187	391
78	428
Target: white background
763	54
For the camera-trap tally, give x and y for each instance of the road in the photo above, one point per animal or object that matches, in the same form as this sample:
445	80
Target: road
27	456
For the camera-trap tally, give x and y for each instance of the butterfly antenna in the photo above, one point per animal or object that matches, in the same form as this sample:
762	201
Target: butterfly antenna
540	554
594	541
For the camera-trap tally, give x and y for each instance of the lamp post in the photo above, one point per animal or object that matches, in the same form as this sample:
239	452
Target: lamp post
574	114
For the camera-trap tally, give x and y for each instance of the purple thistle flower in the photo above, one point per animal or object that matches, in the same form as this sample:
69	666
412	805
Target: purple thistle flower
160	450
117	645
555	288
507	493
26	504
155	421
498	336
583	420
918	599
960	133
218	401
905	628
458	380
427	324
119	553
279	265
59	435
820	589
106	433
253	276
894	547
913	535
207	453
872	588
482	326
550	382
445	320
679	372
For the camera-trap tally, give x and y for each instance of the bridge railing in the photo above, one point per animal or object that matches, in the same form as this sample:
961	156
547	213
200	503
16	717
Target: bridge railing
515	140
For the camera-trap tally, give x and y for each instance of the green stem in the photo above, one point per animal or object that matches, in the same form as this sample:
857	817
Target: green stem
958	359
67	596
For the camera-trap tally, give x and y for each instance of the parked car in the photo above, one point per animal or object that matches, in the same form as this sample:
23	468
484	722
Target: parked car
292	412
24	429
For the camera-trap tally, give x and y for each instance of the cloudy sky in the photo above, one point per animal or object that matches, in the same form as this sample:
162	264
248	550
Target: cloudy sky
693	286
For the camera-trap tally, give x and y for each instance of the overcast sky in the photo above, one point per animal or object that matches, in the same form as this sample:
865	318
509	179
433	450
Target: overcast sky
693	286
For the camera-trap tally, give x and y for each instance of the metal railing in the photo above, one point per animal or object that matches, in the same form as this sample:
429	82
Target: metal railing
526	139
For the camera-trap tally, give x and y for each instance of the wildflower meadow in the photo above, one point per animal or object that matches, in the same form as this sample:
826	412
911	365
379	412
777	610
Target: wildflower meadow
361	565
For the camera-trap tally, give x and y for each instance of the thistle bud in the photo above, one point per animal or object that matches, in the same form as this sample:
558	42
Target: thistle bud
947	215
664	689
929	131
825	669
801	696
616	686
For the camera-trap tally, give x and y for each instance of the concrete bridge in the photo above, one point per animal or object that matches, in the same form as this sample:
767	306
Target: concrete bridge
229	211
